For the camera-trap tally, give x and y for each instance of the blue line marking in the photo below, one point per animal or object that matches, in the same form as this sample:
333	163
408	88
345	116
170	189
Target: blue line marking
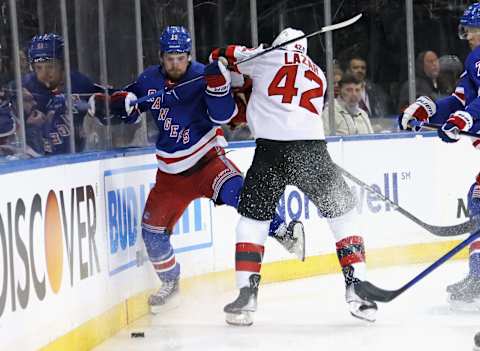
193	247
130	169
123	267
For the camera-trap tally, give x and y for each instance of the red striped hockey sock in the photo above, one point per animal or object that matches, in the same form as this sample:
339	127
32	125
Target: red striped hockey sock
248	260
351	255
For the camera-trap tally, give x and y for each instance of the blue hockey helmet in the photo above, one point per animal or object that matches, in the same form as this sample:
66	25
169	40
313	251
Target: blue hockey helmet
45	47
470	18
175	39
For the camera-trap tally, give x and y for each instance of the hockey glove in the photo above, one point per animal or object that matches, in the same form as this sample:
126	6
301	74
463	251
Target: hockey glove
218	79
421	110
119	105
58	104
460	120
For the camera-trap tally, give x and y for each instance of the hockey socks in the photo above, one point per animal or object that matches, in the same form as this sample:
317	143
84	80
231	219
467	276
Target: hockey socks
161	254
474	259
351	255
350	248
249	250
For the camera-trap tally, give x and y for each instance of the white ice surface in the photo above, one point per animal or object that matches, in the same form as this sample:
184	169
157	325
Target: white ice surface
310	314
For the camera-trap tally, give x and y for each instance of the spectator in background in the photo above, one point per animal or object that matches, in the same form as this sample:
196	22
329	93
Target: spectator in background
11	147
450	69
34	119
337	77
34	122
47	84
374	100
350	119
427	71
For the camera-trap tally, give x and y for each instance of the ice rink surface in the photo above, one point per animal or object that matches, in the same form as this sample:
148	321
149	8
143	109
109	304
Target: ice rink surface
311	314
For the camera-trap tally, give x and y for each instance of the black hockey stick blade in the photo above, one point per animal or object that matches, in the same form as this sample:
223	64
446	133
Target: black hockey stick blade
453	230
466	227
368	291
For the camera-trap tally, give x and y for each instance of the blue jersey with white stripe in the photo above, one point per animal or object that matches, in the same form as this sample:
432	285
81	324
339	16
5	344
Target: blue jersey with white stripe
56	130
466	94
187	117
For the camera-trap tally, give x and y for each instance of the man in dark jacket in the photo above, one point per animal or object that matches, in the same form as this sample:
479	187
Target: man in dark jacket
427	70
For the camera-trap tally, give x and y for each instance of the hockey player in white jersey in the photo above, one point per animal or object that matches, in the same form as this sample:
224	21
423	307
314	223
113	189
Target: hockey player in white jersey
284	115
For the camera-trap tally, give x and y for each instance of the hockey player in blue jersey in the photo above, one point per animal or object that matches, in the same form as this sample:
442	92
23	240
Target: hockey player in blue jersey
190	149
460	111
47	84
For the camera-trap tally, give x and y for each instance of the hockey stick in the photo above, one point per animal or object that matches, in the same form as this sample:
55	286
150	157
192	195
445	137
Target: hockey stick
266	51
453	230
306	36
367	290
439	126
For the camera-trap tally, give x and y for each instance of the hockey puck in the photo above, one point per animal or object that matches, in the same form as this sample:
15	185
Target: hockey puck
137	334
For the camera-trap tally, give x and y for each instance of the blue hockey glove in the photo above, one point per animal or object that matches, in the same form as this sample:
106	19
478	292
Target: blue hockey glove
218	79
57	104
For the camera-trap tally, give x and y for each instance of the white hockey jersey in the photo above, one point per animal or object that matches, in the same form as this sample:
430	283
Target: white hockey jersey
287	96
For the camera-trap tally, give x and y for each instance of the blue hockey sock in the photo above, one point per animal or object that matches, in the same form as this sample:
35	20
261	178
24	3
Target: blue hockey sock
230	192
161	254
276	222
474	262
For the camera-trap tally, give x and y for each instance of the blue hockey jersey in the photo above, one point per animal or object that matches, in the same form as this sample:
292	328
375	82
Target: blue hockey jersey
56	130
187	117
466	94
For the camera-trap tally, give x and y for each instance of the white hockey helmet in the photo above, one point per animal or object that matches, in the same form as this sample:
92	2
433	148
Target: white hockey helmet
289	34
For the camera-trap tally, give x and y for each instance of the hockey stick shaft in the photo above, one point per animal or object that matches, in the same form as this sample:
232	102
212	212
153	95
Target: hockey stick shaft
458	229
266	51
161	92
306	36
369	291
439	126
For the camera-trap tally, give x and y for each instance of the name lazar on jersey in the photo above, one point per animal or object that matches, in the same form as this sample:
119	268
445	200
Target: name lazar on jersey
294	58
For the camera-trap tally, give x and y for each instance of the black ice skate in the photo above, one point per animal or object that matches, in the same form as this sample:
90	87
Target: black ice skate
166	294
239	312
292	238
360	308
465	293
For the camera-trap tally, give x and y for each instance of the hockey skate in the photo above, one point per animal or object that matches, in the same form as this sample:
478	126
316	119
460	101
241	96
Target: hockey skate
166	296
465	294
239	312
360	308
292	237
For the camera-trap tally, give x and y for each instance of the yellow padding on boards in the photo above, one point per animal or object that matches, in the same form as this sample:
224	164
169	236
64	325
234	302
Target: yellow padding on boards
93	332
383	257
97	330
